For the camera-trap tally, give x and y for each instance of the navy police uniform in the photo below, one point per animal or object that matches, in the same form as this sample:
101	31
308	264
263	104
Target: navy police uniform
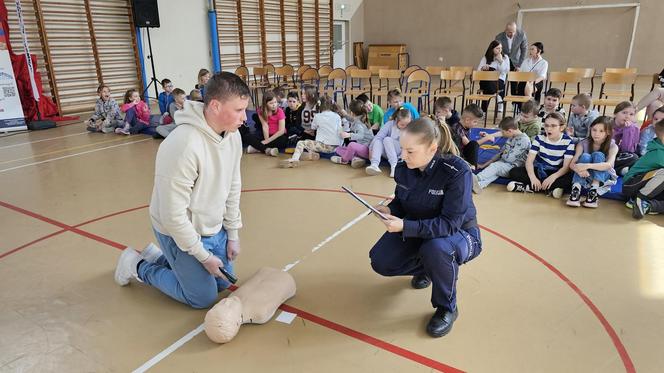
440	229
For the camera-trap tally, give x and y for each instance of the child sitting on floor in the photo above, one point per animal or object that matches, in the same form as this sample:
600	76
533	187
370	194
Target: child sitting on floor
166	97
512	155
644	183
626	136
327	125
360	136
580	117
551	103
648	133
471	117
386	142
294	118
395	100
593	163
106	117
271	128
374	112
311	107
547	165
443	110
137	114
203	77
179	97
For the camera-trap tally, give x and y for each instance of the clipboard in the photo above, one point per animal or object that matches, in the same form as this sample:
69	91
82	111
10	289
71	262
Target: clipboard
365	203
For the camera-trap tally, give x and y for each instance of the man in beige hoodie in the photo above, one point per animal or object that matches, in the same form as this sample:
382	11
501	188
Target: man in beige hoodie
195	206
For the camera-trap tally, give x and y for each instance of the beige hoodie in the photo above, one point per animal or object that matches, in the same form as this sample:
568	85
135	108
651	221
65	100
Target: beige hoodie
197	183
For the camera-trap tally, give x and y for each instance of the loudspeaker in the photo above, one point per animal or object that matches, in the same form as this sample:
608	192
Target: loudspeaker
146	13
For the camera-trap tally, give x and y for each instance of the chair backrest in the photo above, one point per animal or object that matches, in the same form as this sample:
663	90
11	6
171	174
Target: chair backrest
410	69
521	76
350	68
456	75
284	71
337	74
302	69
269	67
563	77
419	76
479	75
259	72
618	78
631	70
310	75
434	70
468	70
389	74
376	69
583	72
242	72
360	74
325	70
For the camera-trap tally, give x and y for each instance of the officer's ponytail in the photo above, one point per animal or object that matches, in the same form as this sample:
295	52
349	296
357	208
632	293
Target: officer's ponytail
432	130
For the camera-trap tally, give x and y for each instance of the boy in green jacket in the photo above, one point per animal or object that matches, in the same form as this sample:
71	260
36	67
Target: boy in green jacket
645	180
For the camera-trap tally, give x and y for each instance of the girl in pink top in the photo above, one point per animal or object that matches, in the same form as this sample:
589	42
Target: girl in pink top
270	133
137	113
626	136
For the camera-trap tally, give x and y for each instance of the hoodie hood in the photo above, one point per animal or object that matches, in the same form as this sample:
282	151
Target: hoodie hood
454	118
655	144
192	115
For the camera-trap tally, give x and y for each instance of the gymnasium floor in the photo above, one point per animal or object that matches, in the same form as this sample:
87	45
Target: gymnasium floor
556	289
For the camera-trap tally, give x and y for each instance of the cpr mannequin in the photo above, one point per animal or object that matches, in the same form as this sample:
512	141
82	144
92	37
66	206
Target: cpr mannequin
255	302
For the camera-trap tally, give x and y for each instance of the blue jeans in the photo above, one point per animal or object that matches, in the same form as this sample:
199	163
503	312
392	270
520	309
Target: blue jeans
438	258
601	176
181	276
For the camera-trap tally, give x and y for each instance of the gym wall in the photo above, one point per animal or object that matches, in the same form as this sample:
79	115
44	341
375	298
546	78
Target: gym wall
461	31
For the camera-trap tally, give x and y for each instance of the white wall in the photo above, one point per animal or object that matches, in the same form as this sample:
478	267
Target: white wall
181	46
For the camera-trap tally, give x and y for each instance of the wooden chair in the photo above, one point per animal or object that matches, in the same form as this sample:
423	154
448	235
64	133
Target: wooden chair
301	70
517	77
477	95
310	77
374	73
259	82
336	85
418	86
359	82
284	77
584	73
243	72
571	85
454	86
387	81
271	74
324	71
434	72
468	70
623	70
407	72
624	91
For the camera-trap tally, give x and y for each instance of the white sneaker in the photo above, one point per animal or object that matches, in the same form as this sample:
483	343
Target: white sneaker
557	193
126	268
357	162
373	170
151	253
623	171
337	159
477	189
273	152
252	150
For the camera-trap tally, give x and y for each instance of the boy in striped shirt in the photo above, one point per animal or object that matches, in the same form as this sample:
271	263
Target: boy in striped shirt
547	166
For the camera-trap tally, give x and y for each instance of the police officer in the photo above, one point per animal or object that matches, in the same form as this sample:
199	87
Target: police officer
431	226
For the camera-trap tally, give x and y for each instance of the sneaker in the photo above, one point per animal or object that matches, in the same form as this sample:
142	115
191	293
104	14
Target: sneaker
575	197
477	189
357	162
272	152
373	170
641	208
592	199
623	171
630	203
151	253
337	159
289	163
515	186
252	150
557	193
310	156
126	269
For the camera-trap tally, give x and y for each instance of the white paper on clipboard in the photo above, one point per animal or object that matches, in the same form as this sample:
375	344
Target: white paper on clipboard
363	202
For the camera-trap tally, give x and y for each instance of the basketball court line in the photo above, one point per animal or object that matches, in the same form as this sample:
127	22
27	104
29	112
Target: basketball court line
72	155
42	140
622	351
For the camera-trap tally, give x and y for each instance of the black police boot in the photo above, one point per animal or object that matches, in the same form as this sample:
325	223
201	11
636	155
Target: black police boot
420	282
441	322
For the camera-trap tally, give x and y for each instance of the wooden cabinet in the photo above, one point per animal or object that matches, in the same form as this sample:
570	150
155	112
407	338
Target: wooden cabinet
392	55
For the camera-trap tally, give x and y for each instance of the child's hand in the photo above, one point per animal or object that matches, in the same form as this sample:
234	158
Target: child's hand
570	131
345	135
536	184
376	126
546	184
583	173
343	113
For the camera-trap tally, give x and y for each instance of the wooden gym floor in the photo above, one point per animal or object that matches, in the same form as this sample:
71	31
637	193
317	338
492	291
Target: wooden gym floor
555	289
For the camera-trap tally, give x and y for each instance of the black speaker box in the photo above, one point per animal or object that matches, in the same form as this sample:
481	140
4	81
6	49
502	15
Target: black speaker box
146	13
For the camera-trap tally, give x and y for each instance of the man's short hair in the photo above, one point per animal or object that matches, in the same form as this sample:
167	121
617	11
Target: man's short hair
223	86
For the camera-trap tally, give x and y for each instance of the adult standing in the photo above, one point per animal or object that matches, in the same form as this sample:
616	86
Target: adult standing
432	226
515	44
195	206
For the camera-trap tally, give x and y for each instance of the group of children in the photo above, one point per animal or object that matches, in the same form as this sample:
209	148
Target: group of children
134	116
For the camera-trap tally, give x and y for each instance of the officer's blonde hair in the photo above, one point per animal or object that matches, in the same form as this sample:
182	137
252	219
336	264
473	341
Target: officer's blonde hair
432	130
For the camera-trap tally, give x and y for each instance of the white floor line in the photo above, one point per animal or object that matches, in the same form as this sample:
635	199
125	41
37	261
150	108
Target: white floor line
170	349
72	155
49	139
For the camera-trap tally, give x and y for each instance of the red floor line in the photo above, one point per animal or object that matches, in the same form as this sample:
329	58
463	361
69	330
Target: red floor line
12	251
109	215
622	351
371	340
